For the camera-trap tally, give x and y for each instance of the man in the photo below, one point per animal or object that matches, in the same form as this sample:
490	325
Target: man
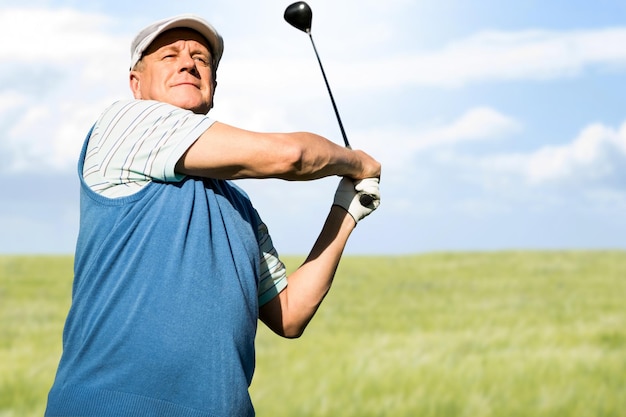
173	265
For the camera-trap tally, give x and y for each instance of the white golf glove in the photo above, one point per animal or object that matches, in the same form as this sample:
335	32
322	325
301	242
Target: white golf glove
359	198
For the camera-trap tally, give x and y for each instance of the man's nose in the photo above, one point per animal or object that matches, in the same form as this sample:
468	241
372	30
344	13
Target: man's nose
187	63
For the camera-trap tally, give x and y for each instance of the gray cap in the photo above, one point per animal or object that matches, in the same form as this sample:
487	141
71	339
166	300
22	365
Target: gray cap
143	40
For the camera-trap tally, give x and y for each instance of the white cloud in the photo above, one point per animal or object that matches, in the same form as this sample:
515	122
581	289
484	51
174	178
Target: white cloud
494	56
480	123
593	156
55	36
594	160
489	56
58	75
398	147
11	99
413	157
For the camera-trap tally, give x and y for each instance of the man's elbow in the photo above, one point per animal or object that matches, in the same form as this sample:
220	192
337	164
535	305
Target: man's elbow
280	319
293	161
292	331
293	334
298	162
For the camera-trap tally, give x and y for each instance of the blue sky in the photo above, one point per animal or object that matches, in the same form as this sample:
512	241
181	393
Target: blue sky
500	125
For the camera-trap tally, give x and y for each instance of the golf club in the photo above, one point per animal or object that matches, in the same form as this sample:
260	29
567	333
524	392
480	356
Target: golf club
300	16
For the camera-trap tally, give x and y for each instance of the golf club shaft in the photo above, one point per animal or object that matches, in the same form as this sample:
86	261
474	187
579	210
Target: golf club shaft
364	199
330	93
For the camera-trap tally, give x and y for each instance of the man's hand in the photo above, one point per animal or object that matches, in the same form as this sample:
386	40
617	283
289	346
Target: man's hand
359	198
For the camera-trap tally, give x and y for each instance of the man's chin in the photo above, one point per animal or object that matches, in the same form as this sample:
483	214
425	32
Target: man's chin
198	108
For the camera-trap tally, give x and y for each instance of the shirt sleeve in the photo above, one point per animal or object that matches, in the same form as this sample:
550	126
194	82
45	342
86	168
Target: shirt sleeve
138	141
273	273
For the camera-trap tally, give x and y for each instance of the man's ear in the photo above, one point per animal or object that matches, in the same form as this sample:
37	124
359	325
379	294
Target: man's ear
135	84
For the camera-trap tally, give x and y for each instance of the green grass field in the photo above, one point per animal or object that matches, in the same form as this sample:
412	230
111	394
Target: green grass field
463	334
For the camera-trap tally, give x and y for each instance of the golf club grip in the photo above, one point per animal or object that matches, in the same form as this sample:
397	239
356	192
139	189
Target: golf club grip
366	200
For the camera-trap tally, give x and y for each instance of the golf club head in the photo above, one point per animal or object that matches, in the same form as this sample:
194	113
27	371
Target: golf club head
299	15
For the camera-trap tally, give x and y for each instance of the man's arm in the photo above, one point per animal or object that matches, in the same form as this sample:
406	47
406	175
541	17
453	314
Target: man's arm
227	152
289	312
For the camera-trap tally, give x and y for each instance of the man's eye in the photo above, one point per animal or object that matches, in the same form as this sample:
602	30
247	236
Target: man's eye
202	60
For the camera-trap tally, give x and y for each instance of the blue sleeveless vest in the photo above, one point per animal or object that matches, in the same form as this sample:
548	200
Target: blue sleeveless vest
164	304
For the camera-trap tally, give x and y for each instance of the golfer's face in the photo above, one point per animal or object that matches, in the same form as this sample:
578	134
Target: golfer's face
176	69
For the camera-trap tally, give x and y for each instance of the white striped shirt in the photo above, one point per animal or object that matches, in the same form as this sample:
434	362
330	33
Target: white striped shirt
137	141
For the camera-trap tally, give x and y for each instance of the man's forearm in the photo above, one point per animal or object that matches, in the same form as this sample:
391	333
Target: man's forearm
291	311
226	152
